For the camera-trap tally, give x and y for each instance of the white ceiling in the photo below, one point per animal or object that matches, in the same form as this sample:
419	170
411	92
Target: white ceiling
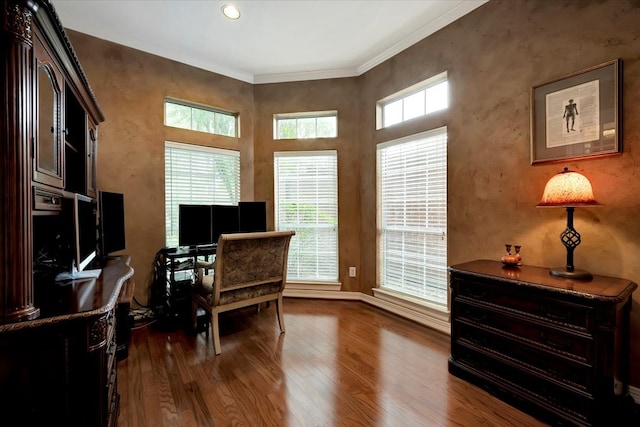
273	41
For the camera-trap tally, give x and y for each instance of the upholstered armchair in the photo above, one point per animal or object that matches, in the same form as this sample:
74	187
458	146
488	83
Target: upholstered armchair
249	269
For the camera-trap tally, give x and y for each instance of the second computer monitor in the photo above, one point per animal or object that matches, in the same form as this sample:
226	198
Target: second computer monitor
252	216
246	217
224	219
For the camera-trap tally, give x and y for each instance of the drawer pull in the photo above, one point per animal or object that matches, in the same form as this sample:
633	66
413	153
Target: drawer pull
545	367
560	346
549	396
555	316
473	315
477	317
481	341
477	294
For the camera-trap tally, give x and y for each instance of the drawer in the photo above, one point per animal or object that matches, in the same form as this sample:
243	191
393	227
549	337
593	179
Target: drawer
101	331
561	370
112	420
528	386
111	323
536	304
112	347
112	384
46	200
565	343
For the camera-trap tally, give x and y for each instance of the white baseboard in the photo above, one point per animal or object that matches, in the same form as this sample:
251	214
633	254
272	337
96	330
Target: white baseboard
407	313
418	317
321	294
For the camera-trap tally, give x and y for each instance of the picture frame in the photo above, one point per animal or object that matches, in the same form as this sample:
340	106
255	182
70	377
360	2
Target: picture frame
577	116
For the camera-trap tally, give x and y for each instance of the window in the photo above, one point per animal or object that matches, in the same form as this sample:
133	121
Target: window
318	124
412	215
416	101
204	119
306	200
198	175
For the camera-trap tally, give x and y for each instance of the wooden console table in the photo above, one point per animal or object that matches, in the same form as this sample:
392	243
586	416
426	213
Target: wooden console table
60	369
555	348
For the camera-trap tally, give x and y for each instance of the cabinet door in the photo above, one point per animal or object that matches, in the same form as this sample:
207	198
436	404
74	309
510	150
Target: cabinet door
92	151
49	145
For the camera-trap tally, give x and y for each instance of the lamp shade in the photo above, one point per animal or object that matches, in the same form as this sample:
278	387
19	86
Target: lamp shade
567	189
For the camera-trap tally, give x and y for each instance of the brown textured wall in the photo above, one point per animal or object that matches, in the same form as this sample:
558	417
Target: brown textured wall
493	56
336	94
131	86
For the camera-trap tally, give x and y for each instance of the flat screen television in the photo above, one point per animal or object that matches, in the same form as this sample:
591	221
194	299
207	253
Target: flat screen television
224	220
111	221
194	225
252	216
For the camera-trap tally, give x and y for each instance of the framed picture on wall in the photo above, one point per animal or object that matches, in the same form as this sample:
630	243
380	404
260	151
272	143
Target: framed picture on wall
577	116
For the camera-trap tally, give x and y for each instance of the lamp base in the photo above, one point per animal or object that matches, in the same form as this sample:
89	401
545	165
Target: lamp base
575	274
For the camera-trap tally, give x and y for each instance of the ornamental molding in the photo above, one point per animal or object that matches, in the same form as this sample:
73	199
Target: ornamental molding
98	333
18	21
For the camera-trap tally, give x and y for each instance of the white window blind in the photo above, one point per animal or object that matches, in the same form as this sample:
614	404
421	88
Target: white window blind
306	200
412	215
198	175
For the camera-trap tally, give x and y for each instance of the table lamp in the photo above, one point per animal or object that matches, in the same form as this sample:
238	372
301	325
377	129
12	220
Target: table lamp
569	189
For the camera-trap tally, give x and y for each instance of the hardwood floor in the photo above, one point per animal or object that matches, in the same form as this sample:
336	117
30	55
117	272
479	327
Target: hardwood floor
340	363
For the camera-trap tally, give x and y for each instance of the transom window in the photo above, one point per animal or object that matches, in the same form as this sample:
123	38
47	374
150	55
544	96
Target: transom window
317	124
419	100
184	115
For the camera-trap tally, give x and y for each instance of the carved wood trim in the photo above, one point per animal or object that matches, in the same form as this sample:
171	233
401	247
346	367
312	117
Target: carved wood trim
17	21
16	113
97	333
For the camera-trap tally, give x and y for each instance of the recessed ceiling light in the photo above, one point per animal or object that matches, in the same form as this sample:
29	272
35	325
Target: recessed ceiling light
230	11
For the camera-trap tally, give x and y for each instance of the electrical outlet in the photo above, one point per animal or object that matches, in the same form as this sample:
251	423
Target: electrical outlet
352	272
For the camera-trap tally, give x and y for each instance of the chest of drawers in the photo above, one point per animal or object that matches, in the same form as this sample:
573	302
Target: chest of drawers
553	347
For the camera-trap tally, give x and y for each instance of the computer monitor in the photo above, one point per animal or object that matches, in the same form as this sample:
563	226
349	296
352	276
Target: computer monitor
194	225
224	219
85	231
252	216
78	237
112	230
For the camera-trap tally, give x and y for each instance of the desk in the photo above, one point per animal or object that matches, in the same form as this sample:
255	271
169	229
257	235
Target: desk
189	256
123	321
60	369
175	274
